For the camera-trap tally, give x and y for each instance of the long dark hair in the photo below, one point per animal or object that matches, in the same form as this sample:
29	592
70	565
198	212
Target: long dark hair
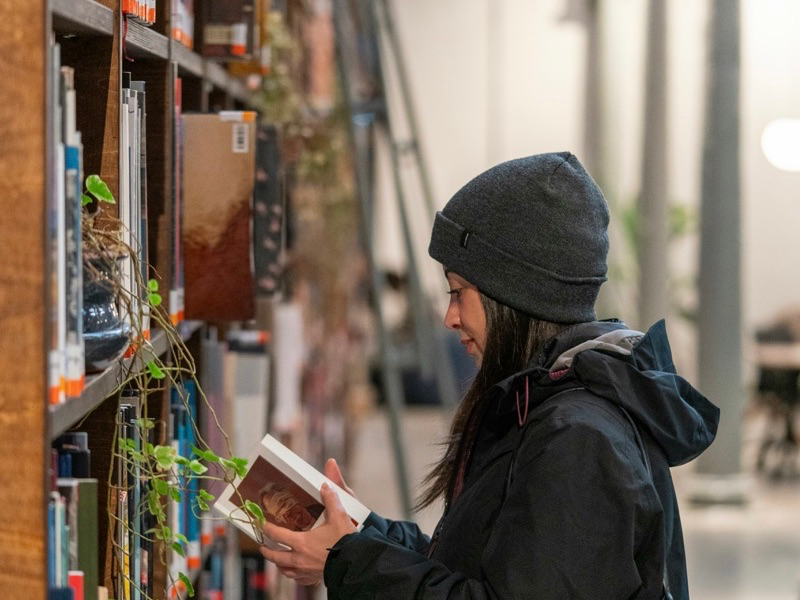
513	339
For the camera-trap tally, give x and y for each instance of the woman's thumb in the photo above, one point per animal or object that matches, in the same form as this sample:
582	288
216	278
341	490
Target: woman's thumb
333	505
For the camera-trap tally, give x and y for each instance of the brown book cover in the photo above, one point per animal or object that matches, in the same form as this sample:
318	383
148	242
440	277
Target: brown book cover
219	174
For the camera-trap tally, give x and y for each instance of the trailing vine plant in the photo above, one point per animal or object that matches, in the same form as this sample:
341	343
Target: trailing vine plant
160	472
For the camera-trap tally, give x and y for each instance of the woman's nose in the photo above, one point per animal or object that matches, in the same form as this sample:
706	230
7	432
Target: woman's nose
451	318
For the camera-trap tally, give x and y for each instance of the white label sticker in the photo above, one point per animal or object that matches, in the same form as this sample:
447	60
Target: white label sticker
241	141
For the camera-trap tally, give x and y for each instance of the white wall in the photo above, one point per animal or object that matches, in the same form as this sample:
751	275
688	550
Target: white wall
474	114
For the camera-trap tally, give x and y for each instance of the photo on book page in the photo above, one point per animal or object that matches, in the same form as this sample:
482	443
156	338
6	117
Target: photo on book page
285	488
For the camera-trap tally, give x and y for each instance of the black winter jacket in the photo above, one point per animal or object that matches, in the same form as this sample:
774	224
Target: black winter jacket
575	503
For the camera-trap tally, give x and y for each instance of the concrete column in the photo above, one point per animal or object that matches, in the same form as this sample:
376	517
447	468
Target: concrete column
719	476
653	232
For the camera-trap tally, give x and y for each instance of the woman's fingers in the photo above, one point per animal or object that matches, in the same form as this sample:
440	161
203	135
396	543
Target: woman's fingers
284	559
333	473
333	506
279	534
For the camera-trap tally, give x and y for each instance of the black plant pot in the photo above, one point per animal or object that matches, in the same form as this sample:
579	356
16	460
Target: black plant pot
106	336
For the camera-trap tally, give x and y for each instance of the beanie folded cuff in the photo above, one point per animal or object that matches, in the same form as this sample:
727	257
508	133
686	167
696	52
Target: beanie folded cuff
539	292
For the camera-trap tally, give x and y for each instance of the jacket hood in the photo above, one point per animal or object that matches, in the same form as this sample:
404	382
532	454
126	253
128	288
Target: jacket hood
633	370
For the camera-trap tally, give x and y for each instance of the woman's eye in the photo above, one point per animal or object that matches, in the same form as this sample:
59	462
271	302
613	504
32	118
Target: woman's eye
456	292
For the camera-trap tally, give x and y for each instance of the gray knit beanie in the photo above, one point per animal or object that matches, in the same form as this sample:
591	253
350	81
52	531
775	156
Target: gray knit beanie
531	234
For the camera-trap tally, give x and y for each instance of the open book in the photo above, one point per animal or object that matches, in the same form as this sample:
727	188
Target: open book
286	489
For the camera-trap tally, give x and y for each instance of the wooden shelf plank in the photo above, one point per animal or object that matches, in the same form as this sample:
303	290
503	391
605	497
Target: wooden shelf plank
82	17
188	61
99	387
144	42
216	75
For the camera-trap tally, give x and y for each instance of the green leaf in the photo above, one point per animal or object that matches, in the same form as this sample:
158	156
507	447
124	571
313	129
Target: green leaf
181	460
152	285
187	583
155	370
154	299
237	464
85	199
240	465
205	495
161	487
206	455
179	549
98	188
163	533
181	538
165	456
197	468
152	502
145	423
137	456
202	503
175	494
255	510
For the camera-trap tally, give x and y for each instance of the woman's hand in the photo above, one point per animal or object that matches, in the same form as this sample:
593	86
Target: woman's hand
333	473
305	561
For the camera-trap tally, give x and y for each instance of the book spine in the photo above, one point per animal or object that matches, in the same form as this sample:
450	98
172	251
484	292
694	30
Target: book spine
124	205
52	553
143	240
176	299
134	497
193	510
122	539
177	563
77	584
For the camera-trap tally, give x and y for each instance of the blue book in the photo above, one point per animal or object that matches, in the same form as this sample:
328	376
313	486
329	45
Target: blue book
192	510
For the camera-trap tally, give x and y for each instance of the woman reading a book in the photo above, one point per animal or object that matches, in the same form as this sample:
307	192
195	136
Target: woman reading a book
556	475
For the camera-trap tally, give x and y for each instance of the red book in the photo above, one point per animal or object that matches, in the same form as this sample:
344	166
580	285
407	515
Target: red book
75	579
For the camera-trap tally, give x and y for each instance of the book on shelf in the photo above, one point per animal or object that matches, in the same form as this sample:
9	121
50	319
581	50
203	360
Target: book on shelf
218	180
66	370
247	394
260	60
138	87
228	29
141	11
73	187
134	549
176	286
268	212
182	28
133	204
286	489
215	416
185	515
56	232
80	497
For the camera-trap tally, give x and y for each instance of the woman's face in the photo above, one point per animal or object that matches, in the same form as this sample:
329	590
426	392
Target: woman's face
465	315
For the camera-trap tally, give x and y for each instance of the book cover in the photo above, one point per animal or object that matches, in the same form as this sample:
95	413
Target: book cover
268	212
218	179
286	488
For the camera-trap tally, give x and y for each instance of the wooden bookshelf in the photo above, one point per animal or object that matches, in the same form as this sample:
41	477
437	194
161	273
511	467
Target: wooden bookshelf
142	41
99	386
23	530
82	16
90	33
